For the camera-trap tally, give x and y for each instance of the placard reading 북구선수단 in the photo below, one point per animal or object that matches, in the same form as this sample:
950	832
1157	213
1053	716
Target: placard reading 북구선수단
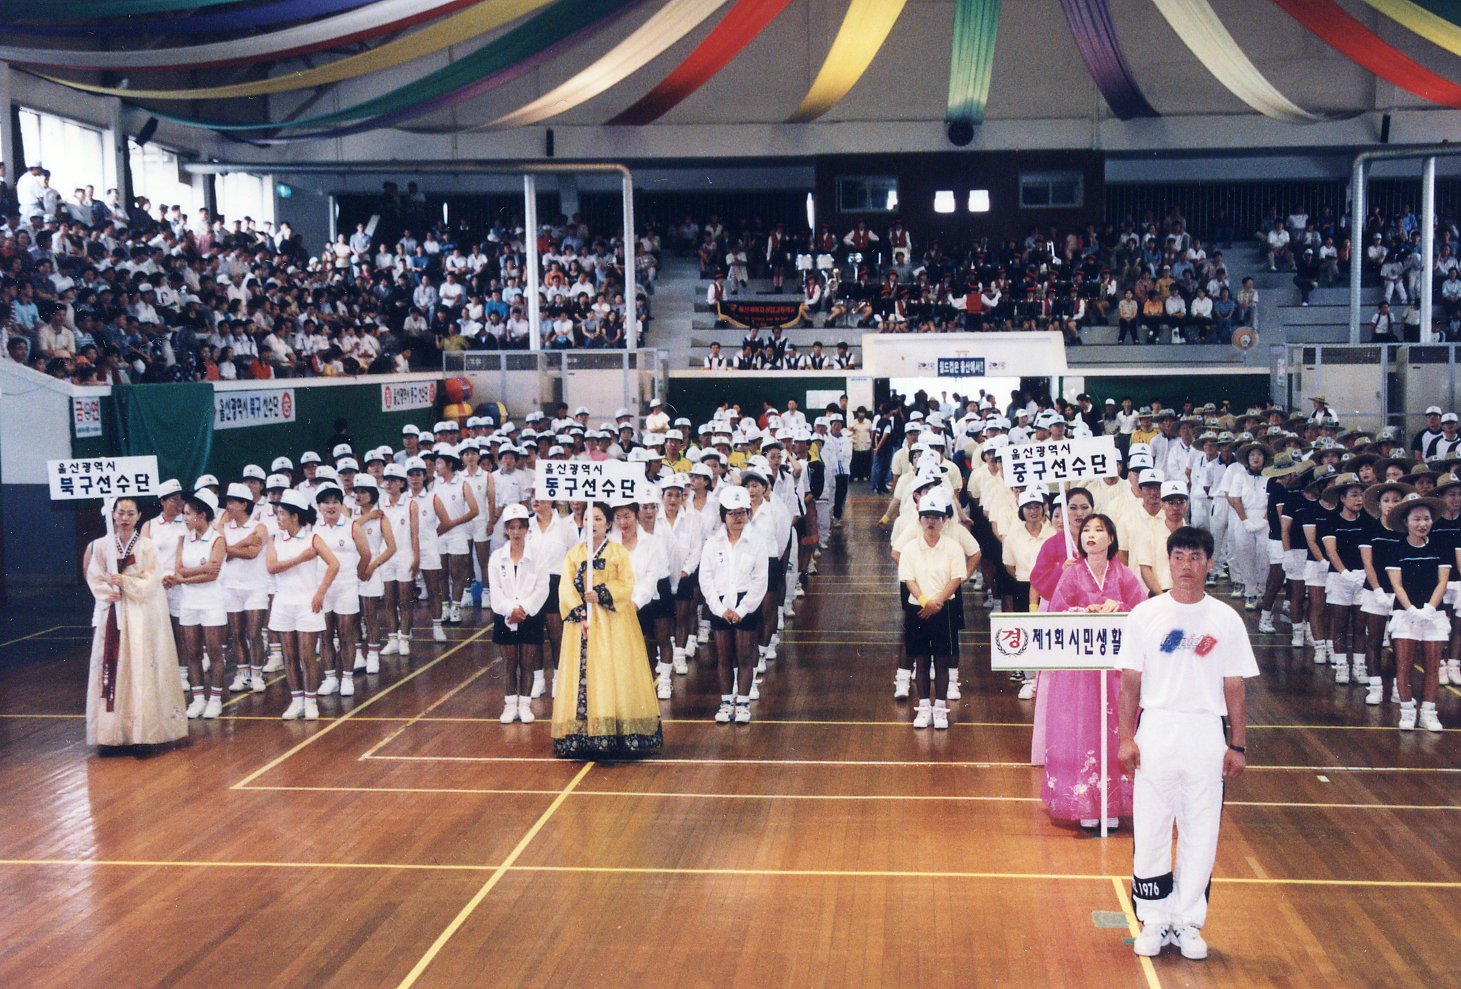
1065	460
1042	640
102	477
587	480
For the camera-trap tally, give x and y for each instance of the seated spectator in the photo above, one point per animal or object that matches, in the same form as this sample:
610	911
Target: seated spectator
1247	304
1199	317
1307	272
1224	312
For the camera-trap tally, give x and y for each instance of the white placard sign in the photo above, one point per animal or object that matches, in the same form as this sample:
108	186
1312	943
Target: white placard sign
401	396
86	416
102	477
1039	640
1066	460
236	409
587	480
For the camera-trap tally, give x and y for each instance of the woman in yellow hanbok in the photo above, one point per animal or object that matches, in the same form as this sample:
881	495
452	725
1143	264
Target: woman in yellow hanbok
606	703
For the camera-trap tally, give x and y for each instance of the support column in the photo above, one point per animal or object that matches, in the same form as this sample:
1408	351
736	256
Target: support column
530	264
1427	247
8	150
631	320
118	162
1357	244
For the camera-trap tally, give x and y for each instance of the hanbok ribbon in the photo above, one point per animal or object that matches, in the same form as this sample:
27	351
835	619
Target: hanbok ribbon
1429	24
110	648
332	32
234	20
864	29
971	61
1095	37
671	23
1363	47
477	20
520	50
744	21
1200	30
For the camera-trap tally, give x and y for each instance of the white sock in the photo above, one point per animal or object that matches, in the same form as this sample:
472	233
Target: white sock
743	699
940	705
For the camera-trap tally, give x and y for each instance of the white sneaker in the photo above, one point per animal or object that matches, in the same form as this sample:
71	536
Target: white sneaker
1189	939
275	663
404	638
771	648
258	685
702	628
1407	716
347	687
330	686
213	708
1454	666
359	666
311	710
1341	673
294	711
743	714
726	712
183	676
437	634
1357	671
392	647
539	684
755	693
940	717
761	661
466	598
1429	720
900	685
1444	673
1149	942
924	715
525	710
1265	623
240	682
691	644
952	693
1027	690
509	710
195	709
1376	695
1250	604
372	662
678	662
1297	641
663	688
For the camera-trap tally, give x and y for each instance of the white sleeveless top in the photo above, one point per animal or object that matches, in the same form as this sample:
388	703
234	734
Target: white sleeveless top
340	540
453	495
399	516
239	573
426	520
166	536
196	550
297	585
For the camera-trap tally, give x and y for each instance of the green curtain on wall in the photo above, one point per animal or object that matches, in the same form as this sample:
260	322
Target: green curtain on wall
174	422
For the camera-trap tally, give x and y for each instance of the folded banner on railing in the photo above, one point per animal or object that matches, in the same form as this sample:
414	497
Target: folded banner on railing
761	315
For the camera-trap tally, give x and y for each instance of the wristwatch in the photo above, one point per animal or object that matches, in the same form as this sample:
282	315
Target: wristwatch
1239	749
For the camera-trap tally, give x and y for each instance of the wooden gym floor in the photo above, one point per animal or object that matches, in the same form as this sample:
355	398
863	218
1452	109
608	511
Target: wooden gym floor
408	839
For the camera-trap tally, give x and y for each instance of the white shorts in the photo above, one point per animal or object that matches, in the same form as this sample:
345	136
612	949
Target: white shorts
479	531
1316	572
343	597
1422	628
1377	602
457	542
175	600
236	599
211	617
1343	593
1452	590
374	586
1295	564
397	568
1275	552
295	616
430	559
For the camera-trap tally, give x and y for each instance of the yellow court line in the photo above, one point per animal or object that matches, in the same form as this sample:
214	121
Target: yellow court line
349	714
438	702
1147	968
512	857
245	694
204	864
34	634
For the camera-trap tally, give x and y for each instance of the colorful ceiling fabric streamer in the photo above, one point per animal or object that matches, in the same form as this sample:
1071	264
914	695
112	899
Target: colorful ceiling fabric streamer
971	60
1095	37
332	32
1197	24
76	10
1430	25
739	27
1364	47
864	29
471	23
525	47
668	25
233	20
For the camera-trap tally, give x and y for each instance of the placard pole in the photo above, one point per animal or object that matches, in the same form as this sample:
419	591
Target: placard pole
1065	514
1105	781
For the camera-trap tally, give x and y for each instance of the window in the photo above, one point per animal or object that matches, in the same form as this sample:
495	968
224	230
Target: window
943	201
156	174
978	200
71	152
867	194
1041	190
241	195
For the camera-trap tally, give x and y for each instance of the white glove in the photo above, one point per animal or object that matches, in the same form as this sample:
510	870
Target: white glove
1428	609
1255	524
1355	577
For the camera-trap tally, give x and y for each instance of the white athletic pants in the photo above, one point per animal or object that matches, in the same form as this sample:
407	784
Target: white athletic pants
1179	781
1200	515
824	521
1221	523
1250	557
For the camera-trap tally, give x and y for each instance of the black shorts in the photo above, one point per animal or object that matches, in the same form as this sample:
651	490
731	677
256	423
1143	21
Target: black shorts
748	623
528	633
775	575
933	636
689	584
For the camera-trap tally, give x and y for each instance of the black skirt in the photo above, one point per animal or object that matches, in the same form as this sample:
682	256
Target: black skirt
932	636
551	605
748	623
689	584
528	632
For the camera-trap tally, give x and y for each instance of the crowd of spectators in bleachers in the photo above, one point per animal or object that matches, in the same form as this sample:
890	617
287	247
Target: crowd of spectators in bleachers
100	292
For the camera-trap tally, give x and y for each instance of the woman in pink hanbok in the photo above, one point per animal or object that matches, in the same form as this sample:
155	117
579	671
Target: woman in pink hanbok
1054	559
1098	583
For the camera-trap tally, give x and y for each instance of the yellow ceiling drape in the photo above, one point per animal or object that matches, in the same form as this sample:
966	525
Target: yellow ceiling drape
864	29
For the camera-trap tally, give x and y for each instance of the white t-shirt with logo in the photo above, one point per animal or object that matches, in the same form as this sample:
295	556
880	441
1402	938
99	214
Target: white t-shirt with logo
1184	651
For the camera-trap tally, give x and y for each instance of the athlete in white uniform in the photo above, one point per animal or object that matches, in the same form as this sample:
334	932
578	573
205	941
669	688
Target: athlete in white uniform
166	531
303	568
686	541
456	509
508	485
197	560
338	531
551	535
480	481
245	582
518	584
380	540
398	574
427	549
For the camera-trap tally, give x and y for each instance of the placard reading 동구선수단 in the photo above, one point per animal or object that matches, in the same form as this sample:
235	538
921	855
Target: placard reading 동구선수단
588	480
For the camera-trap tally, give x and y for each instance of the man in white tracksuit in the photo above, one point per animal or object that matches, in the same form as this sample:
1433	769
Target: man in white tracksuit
1184	655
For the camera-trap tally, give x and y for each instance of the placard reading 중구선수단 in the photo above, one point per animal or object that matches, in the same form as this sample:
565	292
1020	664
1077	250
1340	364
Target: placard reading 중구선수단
1065	460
